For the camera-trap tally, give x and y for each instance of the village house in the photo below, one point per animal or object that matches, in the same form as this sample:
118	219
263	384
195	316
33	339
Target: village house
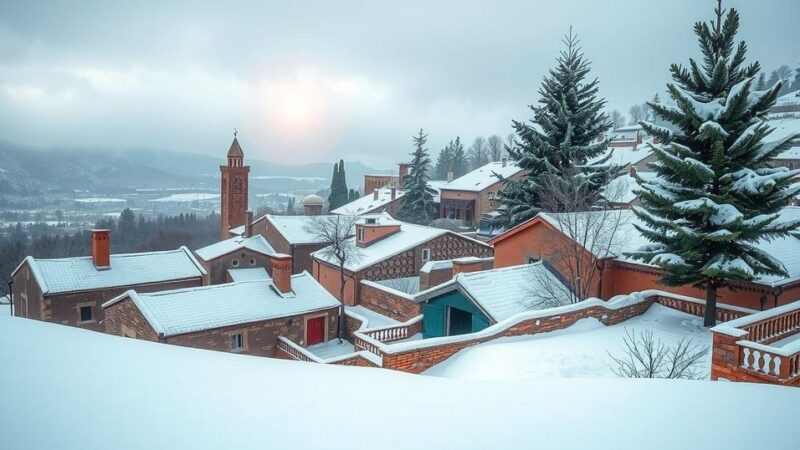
788	103
627	136
245	317
70	290
467	198
545	236
234	253
388	248
378	181
387	199
291	235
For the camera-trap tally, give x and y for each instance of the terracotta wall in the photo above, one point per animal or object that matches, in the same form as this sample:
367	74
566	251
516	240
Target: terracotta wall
301	253
389	304
218	268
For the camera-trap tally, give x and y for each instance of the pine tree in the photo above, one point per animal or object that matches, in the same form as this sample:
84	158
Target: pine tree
417	200
715	195
458	164
559	147
761	84
444	161
290	207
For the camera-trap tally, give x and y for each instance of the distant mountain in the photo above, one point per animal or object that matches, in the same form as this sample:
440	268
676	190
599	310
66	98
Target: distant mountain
24	168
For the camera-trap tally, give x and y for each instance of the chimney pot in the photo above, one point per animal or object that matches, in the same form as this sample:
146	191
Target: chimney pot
101	249
282	272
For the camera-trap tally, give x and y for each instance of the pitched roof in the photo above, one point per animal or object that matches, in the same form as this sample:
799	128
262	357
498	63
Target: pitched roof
482	177
408	237
128	269
207	307
504	292
249	274
622	156
627	238
235	149
256	243
624	188
368	203
293	228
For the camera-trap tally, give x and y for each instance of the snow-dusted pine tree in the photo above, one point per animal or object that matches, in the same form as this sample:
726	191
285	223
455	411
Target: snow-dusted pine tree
715	195
444	161
563	139
417	200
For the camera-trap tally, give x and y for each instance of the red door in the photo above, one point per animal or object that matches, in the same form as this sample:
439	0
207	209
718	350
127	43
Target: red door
315	331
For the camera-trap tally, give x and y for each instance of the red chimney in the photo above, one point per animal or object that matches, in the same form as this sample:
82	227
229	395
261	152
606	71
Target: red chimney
282	272
101	249
466	265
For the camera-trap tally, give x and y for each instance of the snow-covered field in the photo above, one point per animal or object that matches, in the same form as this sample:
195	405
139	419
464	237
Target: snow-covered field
578	351
66	388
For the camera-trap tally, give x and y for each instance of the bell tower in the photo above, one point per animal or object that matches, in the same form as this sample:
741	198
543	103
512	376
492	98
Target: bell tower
233	189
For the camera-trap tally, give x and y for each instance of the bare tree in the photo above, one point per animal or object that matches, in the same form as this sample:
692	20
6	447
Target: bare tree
617	119
646	357
478	153
638	113
339	232
495	146
589	229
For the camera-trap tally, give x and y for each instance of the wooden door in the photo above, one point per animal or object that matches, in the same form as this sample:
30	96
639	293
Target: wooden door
315	331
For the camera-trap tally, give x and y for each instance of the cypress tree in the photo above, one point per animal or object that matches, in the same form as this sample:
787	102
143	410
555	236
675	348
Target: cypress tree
339	195
458	163
557	148
716	195
417	201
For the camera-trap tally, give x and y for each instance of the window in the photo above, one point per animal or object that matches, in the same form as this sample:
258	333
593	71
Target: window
426	255
235	262
237	342
252	261
533	259
371	220
360	234
86	313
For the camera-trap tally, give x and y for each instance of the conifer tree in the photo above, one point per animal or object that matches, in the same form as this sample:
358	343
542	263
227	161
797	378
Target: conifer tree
761	84
715	195
444	161
290	207
417	200
339	194
459	163
561	145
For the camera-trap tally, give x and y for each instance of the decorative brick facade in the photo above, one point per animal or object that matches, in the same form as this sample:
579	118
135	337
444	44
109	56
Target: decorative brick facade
234	190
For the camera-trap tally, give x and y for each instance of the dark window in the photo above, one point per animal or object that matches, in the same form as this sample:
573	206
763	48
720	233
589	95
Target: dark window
235	263
86	313
236	341
460	322
533	259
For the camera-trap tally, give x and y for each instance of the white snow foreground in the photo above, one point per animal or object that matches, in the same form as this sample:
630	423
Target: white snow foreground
73	389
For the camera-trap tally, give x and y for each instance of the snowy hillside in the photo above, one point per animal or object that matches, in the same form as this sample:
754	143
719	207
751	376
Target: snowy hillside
66	388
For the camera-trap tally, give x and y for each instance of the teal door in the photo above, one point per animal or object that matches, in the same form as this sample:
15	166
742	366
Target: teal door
433	324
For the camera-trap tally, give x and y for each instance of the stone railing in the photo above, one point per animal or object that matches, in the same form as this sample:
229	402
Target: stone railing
374	339
291	350
750	348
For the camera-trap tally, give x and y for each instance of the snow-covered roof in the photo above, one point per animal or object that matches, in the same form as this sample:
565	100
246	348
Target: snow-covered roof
237	231
627	238
255	243
786	133
409	285
249	274
408	237
791	98
622	156
482	177
127	269
207	307
293	228
623	188
368	203
508	291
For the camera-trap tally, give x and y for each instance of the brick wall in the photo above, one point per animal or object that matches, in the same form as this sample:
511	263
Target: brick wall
420	359
124	318
389	304
725	364
260	337
217	268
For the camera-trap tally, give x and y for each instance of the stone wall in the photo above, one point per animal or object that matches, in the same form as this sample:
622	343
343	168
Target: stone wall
124	319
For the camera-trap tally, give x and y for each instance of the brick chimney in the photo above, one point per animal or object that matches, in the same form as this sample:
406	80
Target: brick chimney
632	170
402	173
449	176
248	226
371	230
101	249
394	192
375	194
504	161
282	272
466	265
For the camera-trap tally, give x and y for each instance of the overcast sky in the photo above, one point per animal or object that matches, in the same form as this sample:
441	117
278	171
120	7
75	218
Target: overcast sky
310	82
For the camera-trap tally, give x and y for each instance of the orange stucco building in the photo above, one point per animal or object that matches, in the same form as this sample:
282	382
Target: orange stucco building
539	238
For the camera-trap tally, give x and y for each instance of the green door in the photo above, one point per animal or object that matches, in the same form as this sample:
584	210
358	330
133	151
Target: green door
432	320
